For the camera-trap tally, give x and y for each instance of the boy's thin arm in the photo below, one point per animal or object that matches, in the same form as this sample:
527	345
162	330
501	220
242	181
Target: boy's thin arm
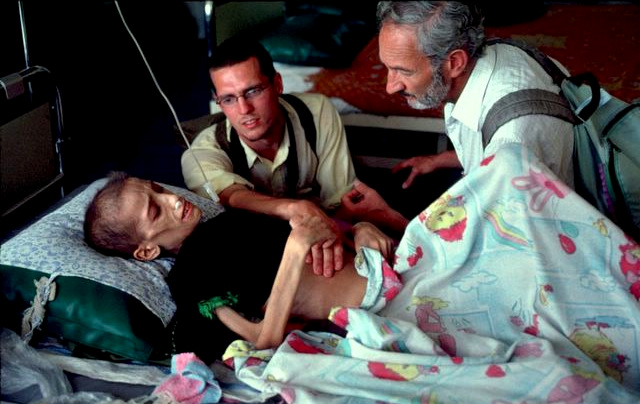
246	329
282	295
270	331
305	232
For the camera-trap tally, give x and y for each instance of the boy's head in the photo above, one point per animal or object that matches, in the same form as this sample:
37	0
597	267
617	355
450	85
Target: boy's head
134	217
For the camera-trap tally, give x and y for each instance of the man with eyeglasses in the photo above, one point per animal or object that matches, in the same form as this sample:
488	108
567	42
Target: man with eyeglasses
267	130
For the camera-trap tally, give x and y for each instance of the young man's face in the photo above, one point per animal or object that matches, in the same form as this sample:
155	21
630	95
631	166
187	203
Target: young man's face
410	72
251	115
161	218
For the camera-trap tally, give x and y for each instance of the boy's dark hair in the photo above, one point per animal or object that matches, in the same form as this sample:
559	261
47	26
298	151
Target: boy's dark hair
101	229
238	49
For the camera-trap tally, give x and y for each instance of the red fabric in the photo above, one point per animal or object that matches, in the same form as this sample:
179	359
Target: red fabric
603	39
363	86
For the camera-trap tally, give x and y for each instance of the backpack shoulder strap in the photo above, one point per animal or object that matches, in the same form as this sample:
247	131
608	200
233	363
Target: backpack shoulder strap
306	118
557	75
521	103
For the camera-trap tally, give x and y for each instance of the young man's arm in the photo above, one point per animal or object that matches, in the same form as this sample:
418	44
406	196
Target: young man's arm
270	332
324	260
364	204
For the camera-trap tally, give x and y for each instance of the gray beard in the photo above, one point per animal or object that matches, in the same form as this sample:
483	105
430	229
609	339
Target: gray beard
434	95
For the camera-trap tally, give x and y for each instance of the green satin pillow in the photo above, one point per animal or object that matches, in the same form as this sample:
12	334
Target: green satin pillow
84	312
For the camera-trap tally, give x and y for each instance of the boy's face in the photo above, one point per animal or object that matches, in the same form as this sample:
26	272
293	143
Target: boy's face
162	219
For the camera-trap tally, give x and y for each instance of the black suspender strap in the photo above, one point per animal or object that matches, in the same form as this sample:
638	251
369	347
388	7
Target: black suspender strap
291	170
305	116
234	149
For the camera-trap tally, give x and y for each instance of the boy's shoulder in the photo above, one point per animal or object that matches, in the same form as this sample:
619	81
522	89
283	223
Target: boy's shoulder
236	217
222	228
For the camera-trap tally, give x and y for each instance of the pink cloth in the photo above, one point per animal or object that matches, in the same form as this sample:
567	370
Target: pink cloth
191	381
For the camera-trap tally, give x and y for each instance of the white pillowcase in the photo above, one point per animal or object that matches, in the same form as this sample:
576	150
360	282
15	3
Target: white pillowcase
55	244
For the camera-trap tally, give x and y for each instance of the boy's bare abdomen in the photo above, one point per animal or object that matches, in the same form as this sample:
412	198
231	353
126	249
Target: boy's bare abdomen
317	295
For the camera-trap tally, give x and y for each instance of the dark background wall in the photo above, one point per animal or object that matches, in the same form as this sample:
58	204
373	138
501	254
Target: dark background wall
115	118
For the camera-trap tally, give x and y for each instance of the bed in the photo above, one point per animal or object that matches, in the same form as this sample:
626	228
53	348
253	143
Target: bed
525	294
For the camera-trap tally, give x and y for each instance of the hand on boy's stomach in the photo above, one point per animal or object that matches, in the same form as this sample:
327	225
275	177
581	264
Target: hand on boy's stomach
320	237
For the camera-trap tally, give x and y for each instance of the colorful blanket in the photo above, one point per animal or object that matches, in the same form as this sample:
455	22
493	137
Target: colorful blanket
515	290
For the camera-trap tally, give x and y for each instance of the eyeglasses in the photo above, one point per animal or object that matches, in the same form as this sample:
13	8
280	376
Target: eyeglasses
249	94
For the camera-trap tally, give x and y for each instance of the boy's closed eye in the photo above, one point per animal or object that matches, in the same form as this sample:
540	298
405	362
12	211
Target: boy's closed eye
153	211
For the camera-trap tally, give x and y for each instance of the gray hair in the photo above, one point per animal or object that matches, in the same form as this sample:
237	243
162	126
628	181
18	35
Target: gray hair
441	26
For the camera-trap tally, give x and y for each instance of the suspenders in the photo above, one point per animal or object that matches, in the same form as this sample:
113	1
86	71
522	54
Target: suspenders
234	149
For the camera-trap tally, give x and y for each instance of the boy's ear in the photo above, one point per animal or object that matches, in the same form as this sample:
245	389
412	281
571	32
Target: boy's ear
146	252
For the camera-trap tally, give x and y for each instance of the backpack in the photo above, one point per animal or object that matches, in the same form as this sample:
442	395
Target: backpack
234	149
606	155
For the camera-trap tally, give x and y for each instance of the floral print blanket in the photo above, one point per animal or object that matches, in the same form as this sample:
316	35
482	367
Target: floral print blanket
515	291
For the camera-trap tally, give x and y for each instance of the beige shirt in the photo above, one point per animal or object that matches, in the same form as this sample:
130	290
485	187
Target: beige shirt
331	165
501	70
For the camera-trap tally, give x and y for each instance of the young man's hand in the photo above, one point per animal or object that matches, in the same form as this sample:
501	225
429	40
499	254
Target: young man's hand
326	253
311	230
364	204
361	201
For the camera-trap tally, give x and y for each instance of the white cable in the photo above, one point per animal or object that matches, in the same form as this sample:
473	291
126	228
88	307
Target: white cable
207	185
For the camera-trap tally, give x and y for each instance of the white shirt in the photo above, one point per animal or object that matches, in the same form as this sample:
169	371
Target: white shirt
332	168
503	69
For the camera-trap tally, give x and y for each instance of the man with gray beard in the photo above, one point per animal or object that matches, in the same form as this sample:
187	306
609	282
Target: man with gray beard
436	54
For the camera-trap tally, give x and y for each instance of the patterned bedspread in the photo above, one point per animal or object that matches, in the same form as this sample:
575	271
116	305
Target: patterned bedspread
516	290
